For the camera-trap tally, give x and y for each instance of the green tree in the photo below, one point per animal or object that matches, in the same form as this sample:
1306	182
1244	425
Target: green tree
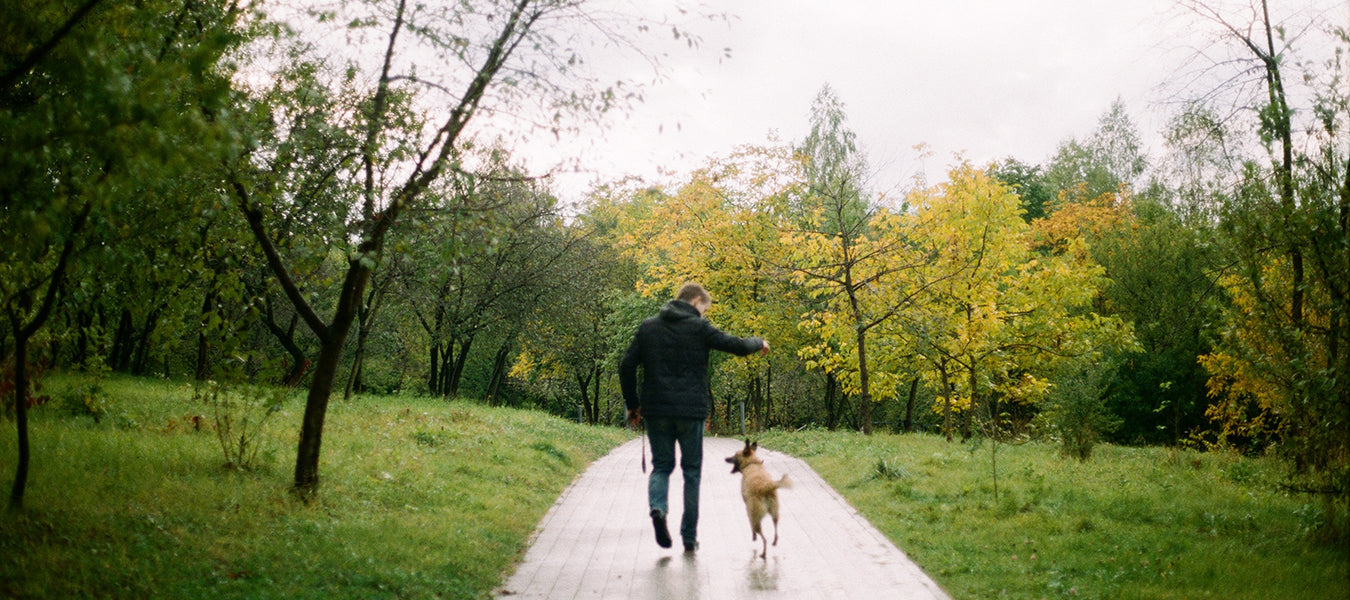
1279	369
97	105
1111	157
1028	183
837	256
1162	281
388	149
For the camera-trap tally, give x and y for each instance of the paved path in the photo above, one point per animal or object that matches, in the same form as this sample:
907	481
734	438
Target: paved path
596	542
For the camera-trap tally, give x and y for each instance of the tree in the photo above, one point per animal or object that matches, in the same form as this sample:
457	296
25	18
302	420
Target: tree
1279	368
1111	158
1000	317
837	255
718	228
1028	183
1161	270
96	105
389	148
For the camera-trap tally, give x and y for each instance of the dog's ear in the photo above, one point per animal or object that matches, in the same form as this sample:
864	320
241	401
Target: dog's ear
747	444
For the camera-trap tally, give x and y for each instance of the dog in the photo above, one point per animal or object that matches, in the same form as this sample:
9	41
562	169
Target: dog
759	491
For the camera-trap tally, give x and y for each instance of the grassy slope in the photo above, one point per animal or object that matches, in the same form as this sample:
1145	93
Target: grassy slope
1129	523
419	498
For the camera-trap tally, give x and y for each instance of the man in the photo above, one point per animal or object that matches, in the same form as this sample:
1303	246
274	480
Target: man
672	349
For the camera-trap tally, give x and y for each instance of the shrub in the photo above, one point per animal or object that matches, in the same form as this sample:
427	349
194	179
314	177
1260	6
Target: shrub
239	414
1076	411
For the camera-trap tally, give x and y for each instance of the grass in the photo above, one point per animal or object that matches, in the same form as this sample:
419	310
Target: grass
1129	523
419	498
422	498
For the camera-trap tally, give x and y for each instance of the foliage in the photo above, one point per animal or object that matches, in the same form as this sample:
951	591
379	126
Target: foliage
1076	411
1162	279
1279	370
1110	158
719	228
1002	318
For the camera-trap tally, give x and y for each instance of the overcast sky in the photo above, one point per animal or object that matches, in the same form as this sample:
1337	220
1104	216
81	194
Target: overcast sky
988	79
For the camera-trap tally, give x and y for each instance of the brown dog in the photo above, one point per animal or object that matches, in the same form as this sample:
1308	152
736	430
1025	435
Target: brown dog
760	492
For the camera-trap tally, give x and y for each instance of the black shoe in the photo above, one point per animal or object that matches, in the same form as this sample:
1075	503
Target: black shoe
662	534
690	547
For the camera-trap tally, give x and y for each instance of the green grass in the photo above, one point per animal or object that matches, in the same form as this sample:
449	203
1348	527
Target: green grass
419	498
1129	523
422	498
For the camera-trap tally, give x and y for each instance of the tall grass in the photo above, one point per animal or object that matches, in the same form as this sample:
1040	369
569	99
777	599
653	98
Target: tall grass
1129	523
419	498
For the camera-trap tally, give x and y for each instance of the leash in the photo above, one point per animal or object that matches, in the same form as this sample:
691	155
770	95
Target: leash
644	447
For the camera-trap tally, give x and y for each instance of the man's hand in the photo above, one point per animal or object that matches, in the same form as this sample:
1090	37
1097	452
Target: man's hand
634	417
765	349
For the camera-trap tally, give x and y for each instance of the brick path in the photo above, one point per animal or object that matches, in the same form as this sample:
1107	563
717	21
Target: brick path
596	542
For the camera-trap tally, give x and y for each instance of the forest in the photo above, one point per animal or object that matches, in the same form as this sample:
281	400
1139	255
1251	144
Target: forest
208	190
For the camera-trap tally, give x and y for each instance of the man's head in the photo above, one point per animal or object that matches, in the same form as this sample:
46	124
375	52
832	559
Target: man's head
696	296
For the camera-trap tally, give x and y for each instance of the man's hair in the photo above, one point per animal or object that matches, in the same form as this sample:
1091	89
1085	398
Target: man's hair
691	291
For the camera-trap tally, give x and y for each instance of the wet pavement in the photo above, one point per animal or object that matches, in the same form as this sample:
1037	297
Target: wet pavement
596	542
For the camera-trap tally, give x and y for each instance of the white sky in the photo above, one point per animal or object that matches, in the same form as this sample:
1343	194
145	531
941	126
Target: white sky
988	79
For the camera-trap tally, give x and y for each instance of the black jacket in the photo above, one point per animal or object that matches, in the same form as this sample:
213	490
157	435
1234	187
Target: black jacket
672	348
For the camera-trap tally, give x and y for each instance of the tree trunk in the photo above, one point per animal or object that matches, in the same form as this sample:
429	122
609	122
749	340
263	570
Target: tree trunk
457	369
499	374
583	385
119	357
203	346
831	402
299	363
434	379
865	398
967	423
331	339
22	334
140	364
20	413
447	368
909	406
85	319
354	384
596	375
316	408
946	400
768	393
364	324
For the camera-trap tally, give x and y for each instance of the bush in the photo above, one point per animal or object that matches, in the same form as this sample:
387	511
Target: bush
1076	412
240	413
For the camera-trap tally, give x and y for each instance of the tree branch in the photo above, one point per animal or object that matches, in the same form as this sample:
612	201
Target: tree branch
36	55
254	217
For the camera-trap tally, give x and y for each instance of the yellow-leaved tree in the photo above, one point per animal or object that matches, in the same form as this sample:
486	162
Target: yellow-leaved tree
1001	317
718	228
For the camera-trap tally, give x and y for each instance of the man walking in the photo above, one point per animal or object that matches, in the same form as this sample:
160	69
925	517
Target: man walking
672	348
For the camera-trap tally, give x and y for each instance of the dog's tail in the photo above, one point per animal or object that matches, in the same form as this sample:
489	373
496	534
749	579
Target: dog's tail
783	482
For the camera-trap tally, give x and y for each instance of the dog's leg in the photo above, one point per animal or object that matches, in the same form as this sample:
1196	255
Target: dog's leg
754	523
772	501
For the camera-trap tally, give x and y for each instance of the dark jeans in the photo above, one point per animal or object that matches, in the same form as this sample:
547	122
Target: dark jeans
664	433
